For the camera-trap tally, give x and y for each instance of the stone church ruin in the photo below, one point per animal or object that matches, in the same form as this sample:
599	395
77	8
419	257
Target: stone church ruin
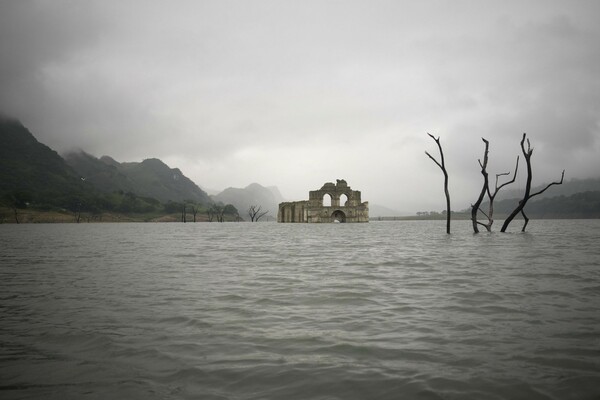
332	203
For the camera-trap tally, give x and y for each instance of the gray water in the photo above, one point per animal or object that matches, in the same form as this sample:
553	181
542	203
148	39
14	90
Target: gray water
385	310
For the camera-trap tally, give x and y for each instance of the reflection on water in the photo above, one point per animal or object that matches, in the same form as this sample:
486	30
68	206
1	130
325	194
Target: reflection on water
382	310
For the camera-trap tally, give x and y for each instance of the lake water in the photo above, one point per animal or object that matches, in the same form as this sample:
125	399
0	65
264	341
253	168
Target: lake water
384	310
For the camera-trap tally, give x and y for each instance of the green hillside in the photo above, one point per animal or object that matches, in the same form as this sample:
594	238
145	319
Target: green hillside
154	178
35	177
100	173
149	178
28	166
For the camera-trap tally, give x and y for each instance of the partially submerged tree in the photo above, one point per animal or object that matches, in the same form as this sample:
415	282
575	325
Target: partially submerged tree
442	166
210	214
254	212
484	188
78	212
220	212
194	208
16	200
492	196
475	208
528	195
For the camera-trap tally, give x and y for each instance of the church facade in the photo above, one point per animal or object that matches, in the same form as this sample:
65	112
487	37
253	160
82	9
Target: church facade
332	203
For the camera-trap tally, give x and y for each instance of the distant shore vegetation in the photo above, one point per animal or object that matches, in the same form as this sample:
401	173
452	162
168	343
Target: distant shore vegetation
20	207
127	207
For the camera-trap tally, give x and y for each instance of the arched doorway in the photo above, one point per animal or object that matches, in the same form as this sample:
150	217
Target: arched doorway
338	216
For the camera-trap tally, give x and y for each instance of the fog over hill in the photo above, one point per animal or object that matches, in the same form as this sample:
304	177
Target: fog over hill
294	93
268	198
30	166
150	178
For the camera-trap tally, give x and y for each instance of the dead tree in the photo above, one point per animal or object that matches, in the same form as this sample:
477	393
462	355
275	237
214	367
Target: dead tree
442	166
519	209
183	213
255	214
484	188
78	212
210	214
15	201
475	208
562	177
194	209
220	212
492	196
16	213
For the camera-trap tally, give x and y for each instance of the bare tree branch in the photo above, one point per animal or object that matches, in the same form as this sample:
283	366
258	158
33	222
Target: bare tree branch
507	173
255	214
550	184
527	152
442	166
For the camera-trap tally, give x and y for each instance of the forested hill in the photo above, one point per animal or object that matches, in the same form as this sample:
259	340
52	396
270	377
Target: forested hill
34	176
28	166
149	178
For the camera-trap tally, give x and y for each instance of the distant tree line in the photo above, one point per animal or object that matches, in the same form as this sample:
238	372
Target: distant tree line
91	204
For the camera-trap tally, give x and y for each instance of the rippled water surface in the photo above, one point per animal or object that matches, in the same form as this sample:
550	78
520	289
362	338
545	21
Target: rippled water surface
385	310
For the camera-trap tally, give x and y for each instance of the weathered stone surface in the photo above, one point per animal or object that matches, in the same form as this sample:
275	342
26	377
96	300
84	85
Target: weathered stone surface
345	206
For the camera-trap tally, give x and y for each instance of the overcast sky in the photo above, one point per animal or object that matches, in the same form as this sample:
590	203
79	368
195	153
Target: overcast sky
298	93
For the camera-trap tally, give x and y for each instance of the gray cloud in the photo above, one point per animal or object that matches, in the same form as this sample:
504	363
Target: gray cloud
297	93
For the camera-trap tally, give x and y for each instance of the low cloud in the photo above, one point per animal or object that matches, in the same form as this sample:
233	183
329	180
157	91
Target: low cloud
296	94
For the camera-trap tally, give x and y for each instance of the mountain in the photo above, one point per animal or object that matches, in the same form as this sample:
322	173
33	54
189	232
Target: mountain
276	193
154	178
577	205
568	188
103	173
27	165
149	178
252	195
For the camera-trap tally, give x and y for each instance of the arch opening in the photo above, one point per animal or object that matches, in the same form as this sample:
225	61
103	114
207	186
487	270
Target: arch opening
338	216
343	200
326	200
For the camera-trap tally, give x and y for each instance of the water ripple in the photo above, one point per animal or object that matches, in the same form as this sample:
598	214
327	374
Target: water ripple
299	311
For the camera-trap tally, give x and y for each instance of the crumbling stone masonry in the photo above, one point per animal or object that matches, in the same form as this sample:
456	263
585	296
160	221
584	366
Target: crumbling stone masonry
342	204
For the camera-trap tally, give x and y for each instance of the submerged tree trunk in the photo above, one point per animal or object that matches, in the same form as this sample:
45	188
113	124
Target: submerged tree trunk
519	209
492	196
475	208
442	166
78	213
194	211
484	188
